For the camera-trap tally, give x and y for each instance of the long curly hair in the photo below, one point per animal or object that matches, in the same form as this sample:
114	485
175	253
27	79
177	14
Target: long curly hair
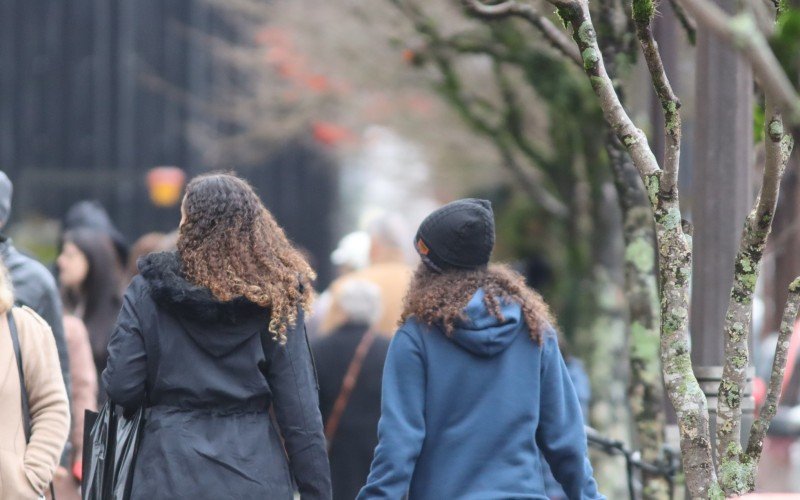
230	243
440	298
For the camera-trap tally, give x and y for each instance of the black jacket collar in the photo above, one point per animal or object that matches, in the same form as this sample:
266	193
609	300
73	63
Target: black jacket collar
172	291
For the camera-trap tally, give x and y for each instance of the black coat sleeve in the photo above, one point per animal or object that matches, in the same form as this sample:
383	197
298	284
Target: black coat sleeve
125	375
292	379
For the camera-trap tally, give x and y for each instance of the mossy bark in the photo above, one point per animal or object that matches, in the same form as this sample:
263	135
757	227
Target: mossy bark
646	387
609	410
756	442
674	262
739	468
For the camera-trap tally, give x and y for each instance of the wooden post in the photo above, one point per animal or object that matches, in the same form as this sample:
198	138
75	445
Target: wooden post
722	190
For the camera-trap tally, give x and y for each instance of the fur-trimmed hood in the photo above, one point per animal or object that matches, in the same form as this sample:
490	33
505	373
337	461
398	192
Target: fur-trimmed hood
217	326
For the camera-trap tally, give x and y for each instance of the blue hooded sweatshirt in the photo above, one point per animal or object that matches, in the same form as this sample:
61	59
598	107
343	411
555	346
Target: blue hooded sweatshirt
466	417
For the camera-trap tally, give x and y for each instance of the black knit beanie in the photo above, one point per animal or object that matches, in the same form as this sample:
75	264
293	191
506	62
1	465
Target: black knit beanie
458	235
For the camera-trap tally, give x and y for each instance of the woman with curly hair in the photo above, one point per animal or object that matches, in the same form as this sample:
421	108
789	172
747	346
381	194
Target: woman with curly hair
474	388
208	339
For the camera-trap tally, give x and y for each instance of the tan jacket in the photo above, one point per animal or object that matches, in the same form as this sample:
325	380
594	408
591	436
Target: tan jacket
26	471
392	278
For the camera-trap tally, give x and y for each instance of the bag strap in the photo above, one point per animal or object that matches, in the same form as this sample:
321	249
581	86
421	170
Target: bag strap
26	410
348	384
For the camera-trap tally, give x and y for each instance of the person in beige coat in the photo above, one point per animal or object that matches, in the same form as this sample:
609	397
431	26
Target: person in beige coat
388	269
26	470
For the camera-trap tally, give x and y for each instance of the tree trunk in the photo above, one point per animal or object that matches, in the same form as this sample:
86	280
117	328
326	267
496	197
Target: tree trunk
646	386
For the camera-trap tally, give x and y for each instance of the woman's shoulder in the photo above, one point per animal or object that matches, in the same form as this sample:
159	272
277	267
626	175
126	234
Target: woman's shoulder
31	328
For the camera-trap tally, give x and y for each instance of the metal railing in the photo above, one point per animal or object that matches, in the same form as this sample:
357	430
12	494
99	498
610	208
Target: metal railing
667	467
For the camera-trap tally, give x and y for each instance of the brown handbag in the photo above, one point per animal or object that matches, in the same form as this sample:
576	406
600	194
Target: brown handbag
348	384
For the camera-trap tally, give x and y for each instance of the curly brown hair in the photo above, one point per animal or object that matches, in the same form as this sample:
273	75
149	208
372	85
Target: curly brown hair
440	298
230	243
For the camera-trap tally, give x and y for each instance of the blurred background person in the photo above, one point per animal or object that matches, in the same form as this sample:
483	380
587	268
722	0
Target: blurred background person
84	397
388	269
350	255
29	455
351	426
149	243
91	282
92	215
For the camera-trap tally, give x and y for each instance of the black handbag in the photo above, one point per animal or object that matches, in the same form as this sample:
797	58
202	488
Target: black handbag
26	409
111	443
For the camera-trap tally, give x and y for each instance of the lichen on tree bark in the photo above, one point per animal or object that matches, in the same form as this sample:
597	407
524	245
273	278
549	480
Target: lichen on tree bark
741	479
674	259
646	387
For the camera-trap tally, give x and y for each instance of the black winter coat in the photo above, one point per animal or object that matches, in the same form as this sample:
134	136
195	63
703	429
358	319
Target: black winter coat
208	434
357	435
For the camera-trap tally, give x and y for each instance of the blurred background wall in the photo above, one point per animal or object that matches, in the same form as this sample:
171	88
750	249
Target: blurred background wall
96	93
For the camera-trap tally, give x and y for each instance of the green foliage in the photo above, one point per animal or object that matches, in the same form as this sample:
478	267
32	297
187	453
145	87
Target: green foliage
786	43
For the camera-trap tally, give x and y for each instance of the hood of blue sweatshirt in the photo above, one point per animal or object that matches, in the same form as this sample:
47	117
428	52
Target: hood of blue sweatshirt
483	334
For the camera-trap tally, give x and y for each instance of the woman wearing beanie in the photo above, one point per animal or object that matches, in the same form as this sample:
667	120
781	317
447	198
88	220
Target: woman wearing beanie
475	390
211	337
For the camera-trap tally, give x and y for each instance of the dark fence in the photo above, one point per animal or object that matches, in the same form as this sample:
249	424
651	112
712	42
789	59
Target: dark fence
93	93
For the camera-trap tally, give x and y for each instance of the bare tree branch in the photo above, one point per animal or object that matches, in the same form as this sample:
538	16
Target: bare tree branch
756	442
743	34
533	180
525	11
514	119
738	319
643	16
674	258
687	22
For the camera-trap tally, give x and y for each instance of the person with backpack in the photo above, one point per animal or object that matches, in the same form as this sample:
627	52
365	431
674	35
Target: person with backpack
208	340
474	387
34	414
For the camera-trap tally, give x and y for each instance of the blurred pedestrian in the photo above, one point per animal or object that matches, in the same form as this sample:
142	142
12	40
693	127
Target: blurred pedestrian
350	364
30	444
387	268
146	244
474	387
208	339
91	284
351	254
92	215
84	397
